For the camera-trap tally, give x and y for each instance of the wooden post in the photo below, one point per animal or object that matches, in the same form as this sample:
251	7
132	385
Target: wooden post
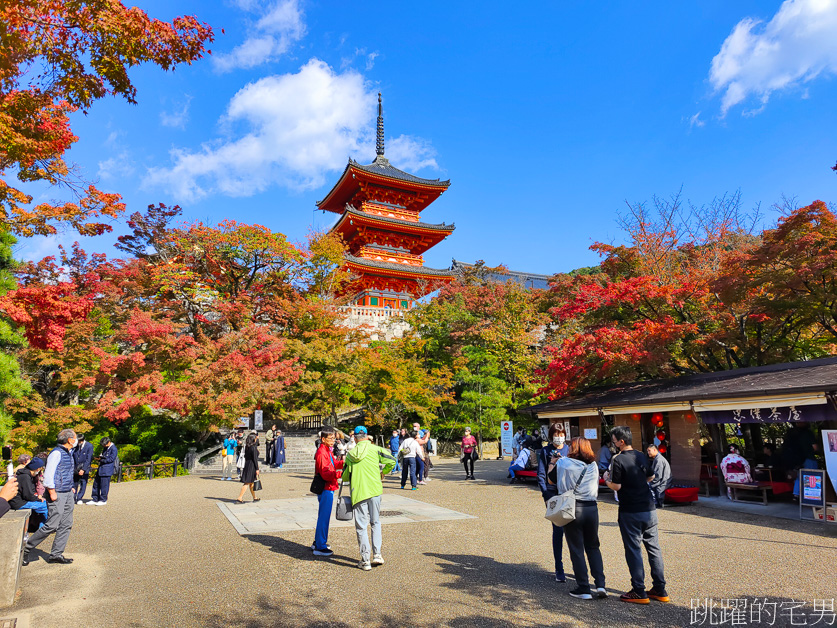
151	471
119	476
174	473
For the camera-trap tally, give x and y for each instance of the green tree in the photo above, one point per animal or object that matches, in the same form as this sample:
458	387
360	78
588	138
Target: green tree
12	384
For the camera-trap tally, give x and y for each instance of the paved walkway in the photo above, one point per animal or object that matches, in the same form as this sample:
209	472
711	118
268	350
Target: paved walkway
162	553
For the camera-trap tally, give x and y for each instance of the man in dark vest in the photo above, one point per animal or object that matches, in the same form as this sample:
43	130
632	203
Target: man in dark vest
107	464
58	481
83	455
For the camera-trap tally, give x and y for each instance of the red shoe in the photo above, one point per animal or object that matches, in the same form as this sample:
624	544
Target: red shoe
634	597
658	594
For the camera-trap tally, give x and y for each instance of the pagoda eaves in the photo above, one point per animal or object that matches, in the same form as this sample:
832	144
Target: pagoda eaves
358	227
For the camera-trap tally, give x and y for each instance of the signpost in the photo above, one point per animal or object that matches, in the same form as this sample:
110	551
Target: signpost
506	434
258	419
812	490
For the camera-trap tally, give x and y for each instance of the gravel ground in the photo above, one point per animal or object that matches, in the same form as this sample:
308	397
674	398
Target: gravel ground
162	554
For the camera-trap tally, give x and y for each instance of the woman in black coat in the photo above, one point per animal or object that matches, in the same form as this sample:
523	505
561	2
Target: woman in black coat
250	473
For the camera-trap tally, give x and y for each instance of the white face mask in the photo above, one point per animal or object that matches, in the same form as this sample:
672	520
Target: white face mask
558	441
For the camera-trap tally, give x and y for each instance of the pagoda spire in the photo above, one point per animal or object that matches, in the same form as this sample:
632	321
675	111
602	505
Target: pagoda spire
379	143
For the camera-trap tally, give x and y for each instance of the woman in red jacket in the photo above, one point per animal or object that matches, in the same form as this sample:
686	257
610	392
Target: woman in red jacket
330	470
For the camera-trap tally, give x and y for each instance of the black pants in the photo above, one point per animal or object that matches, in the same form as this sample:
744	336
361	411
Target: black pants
583	537
269	452
469	460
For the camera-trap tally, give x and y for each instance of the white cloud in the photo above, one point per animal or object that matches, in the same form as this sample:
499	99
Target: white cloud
797	45
695	121
178	118
120	165
370	60
272	35
298	128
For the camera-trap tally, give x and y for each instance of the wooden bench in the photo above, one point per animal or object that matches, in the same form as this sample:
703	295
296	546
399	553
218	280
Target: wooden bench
762	487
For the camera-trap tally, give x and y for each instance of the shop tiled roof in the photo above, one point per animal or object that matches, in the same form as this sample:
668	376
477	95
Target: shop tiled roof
419	270
351	211
382	167
776	379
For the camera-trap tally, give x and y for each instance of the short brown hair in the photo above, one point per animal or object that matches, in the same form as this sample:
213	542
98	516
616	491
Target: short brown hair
556	428
580	450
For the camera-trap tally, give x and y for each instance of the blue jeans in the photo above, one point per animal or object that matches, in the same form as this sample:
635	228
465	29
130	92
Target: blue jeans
397	464
558	548
409	467
419	469
515	468
326	499
39	507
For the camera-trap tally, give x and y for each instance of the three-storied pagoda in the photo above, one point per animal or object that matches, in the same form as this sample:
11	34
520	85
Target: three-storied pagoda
381	226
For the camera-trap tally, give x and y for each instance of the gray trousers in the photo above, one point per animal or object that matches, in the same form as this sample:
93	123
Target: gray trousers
60	521
640	528
368	512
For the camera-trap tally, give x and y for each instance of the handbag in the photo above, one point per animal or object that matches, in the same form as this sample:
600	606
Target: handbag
257	485
344	510
318	484
240	463
560	509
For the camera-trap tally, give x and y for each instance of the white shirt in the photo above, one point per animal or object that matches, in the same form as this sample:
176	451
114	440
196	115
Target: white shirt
51	467
410	448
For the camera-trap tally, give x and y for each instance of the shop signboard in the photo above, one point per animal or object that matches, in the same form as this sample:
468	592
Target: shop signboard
812	487
506	434
591	434
243	423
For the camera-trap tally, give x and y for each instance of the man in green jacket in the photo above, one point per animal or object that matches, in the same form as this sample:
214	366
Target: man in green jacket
364	468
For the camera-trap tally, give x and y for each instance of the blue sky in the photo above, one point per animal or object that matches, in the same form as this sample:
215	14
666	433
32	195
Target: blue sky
546	117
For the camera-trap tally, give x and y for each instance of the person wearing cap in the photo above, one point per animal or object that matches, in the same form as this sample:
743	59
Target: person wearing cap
107	465
83	456
58	480
364	470
26	496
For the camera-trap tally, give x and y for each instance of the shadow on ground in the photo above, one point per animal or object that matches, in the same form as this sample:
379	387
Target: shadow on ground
297	550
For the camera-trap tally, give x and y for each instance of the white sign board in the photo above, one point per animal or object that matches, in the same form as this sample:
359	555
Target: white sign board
566	431
506	434
258	418
591	434
829	448
243	422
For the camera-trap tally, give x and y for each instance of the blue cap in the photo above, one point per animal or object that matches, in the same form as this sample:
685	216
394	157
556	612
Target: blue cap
360	429
36	463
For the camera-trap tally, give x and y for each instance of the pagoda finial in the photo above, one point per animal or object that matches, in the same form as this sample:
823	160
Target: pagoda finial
379	144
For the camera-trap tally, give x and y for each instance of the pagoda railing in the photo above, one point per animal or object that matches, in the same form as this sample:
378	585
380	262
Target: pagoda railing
371	312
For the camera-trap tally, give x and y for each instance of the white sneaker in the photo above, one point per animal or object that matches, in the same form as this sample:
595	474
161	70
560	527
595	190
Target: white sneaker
363	564
377	559
601	592
101	503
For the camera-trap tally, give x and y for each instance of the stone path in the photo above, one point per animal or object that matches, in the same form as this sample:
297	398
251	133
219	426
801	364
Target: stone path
281	515
162	553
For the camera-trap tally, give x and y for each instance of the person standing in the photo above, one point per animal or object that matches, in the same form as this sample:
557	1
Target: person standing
468	449
279	450
517	442
270	441
364	470
637	517
58	480
556	449
578	472
662	475
107	464
228	459
409	455
83	456
330	470
421	440
250	473
394	446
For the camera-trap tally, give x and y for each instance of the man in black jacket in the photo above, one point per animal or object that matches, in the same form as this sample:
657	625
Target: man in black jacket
83	456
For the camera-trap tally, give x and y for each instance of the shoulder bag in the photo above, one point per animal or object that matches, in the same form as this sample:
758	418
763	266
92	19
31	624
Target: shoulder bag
344	510
560	509
318	484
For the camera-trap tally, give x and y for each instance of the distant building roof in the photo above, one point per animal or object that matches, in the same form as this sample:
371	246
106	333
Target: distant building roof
705	390
527	280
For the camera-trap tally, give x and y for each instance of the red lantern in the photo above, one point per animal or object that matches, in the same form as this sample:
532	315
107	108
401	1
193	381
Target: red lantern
657	417
636	417
662	449
661	436
691	417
